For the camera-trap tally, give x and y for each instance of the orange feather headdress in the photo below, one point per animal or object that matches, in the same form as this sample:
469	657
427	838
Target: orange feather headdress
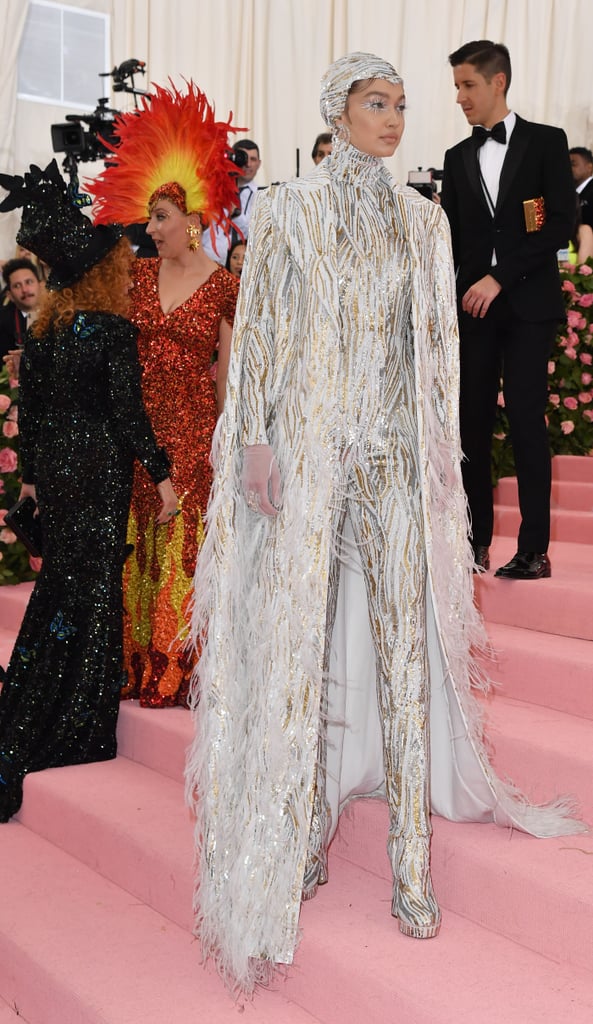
170	147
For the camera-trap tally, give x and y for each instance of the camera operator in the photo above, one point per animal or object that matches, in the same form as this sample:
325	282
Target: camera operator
245	155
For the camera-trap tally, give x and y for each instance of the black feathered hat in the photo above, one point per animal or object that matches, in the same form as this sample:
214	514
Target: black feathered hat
53	225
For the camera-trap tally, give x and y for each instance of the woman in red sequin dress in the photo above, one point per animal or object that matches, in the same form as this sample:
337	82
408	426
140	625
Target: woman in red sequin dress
172	162
183	305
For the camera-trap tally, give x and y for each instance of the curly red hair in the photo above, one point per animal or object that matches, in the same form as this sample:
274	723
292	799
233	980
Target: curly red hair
104	288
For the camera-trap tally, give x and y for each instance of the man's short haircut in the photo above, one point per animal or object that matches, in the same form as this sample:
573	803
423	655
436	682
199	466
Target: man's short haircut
582	151
324	139
487	57
21	263
246	144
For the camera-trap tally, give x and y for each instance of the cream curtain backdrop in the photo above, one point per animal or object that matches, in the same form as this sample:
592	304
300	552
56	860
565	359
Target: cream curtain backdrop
14	14
263	60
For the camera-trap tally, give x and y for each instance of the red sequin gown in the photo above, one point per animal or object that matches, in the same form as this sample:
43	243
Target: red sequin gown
176	352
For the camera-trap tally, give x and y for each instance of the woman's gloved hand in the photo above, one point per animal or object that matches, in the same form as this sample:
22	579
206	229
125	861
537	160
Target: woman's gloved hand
260	480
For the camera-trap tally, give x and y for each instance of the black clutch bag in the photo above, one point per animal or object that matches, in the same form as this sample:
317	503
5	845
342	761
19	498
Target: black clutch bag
25	524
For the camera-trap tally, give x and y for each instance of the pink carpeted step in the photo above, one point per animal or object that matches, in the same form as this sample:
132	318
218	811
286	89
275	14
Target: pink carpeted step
155	737
566	494
539	668
350	940
10	1014
125	822
537	892
565	524
361	969
546	753
560	605
79	951
13	601
76	949
543	750
129	825
7	637
572	467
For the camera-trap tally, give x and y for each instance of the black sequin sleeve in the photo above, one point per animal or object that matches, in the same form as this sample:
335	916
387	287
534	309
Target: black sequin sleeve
31	407
125	394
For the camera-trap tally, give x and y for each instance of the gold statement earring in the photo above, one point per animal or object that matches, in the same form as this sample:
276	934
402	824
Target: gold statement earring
195	237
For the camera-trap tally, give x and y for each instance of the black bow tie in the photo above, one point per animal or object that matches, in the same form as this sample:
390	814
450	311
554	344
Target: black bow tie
481	135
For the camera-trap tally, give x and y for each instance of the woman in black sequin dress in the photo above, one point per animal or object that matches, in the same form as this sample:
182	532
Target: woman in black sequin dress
82	423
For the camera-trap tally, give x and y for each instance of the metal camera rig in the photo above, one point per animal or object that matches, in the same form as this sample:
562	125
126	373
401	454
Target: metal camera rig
82	138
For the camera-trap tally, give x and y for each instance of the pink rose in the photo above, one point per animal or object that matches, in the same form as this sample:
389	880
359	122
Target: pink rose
586	358
3	512
554	400
586	378
551	367
585	397
584	270
567	426
570	403
568	286
575	319
570	352
586	300
500	400
35	563
8	460
10	429
499	437
13	383
4	403
588	414
7	536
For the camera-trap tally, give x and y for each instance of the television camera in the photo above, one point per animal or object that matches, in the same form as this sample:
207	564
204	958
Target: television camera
425	182
82	138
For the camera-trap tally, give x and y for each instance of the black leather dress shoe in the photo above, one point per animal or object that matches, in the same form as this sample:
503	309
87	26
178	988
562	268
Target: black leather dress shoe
481	557
526	565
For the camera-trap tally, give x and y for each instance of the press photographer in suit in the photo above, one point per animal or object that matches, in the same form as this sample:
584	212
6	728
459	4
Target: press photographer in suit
509	195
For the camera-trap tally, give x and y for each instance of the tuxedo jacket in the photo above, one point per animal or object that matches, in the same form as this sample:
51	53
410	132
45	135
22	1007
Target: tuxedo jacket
13	328
536	164
586	204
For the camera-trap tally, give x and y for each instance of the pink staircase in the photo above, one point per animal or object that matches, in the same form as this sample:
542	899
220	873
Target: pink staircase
95	874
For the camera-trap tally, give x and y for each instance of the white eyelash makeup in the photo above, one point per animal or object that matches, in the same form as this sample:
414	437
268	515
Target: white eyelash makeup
380	104
371	104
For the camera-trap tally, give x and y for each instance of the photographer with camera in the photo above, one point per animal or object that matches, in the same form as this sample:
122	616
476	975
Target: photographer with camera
245	156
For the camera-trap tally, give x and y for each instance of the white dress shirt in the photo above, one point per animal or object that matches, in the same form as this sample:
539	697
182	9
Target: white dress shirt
491	157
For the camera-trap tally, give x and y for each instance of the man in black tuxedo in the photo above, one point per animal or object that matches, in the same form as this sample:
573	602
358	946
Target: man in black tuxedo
508	288
581	161
24	290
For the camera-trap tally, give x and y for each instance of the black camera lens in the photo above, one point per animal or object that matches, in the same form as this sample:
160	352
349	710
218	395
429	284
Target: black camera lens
239	158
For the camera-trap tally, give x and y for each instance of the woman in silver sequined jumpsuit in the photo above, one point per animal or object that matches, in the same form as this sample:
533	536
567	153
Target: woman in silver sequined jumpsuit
337	459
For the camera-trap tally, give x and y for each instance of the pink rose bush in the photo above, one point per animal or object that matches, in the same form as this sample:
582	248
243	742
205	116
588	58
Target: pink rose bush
569	414
15	563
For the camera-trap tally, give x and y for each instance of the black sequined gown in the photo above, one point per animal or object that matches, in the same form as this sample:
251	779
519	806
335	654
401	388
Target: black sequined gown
82	423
